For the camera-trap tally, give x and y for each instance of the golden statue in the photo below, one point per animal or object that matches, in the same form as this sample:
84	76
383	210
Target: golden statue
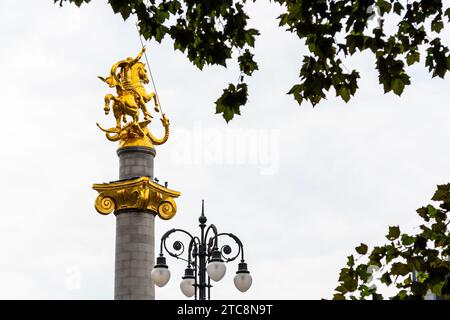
128	77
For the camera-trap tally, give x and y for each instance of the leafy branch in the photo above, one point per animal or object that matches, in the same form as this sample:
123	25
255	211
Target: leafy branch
208	32
413	264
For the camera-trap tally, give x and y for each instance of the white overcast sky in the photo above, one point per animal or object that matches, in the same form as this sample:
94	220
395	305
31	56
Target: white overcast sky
301	188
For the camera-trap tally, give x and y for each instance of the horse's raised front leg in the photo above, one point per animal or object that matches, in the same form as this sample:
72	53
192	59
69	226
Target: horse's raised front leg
108	99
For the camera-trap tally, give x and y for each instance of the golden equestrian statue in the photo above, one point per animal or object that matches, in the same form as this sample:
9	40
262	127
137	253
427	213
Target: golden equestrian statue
128	77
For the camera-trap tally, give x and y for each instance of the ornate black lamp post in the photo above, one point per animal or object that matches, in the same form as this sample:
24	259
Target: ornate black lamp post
205	261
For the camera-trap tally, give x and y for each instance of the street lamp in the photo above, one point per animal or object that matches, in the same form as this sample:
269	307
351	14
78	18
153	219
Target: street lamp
205	261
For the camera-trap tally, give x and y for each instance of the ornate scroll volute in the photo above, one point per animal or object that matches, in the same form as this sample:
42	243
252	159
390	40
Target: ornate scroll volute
167	209
104	204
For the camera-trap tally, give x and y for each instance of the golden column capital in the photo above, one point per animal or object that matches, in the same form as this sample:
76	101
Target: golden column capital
136	194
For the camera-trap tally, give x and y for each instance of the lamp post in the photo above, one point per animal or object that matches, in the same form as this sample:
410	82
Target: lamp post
205	261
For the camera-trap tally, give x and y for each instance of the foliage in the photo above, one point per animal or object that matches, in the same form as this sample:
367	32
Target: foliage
209	31
413	264
321	23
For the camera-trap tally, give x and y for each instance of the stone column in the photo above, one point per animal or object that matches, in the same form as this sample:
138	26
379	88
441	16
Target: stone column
135	233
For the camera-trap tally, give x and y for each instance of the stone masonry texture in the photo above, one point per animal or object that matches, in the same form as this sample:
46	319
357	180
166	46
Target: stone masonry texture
135	254
135	162
135	234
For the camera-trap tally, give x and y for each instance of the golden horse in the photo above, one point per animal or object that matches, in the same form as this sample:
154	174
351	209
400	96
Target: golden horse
128	77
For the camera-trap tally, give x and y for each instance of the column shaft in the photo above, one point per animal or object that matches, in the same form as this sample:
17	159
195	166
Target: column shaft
135	234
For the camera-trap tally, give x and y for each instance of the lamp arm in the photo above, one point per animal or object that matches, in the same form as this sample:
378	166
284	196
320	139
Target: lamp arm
214	237
193	244
178	245
238	242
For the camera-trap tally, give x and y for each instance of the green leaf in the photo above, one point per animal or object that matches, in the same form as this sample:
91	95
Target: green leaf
377	296
361	249
398	8
350	261
440	195
419	289
437	24
400	269
338	296
423	213
296	90
231	100
431	211
412	57
386	278
398	86
394	233
344	93
407	240
246	63
385	6
421	242
447	13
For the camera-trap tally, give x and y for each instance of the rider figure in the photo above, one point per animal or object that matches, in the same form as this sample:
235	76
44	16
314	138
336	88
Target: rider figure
124	76
125	72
